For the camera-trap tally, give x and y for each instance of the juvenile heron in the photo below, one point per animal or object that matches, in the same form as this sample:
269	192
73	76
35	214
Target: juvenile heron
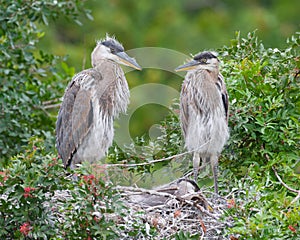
204	111
94	97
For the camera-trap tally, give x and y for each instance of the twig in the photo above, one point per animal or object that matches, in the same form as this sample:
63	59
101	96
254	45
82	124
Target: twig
143	190
150	209
286	186
146	163
205	211
296	198
43	109
202	235
169	228
283	183
51	101
153	161
52	106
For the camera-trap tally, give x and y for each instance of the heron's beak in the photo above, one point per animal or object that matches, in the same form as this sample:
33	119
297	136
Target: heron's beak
187	66
128	61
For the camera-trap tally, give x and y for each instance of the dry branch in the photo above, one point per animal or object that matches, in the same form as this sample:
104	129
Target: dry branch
153	161
286	186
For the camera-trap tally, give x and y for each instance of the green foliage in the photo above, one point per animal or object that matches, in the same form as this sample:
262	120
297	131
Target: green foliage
30	206
184	235
171	138
28	76
26	184
186	26
84	211
263	86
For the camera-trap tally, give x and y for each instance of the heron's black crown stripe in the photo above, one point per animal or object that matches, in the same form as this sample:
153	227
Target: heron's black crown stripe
114	45
207	55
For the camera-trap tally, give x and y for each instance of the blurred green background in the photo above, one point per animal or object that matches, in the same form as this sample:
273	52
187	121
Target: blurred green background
186	26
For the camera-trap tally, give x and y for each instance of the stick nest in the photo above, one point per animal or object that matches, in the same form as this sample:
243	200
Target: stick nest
179	206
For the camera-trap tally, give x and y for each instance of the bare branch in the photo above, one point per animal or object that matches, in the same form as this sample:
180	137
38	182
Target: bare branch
296	198
283	183
286	186
143	190
146	163
57	105
51	101
153	161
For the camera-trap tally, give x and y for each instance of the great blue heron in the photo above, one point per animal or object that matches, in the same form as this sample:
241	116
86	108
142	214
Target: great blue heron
204	111
94	97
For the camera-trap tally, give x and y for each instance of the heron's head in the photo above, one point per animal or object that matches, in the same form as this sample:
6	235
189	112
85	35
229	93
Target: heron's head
204	60
110	48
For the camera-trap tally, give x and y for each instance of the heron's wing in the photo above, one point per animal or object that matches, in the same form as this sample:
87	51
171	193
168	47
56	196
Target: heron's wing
184	113
74	120
64	137
82	116
224	95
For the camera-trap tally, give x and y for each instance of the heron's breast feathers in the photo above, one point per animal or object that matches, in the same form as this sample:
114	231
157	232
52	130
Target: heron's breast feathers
204	110
114	94
107	86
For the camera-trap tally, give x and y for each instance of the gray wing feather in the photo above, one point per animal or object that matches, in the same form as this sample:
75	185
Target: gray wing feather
74	120
64	137
184	114
224	95
225	104
82	116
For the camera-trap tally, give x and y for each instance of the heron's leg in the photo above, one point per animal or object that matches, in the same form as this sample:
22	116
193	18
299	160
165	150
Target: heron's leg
214	166
74	176
196	163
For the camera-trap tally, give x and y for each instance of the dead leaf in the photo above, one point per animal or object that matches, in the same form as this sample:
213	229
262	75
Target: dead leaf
177	213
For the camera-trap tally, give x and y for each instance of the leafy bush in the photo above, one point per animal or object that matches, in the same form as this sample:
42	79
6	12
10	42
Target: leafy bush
26	185
38	201
28	76
263	86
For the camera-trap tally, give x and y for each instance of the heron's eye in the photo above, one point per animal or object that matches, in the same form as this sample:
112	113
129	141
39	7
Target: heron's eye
112	50
203	60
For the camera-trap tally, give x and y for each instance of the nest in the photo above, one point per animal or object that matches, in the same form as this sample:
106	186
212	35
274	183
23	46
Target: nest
178	206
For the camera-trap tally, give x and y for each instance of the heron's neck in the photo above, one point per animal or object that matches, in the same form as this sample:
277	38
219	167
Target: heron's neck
212	69
98	62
